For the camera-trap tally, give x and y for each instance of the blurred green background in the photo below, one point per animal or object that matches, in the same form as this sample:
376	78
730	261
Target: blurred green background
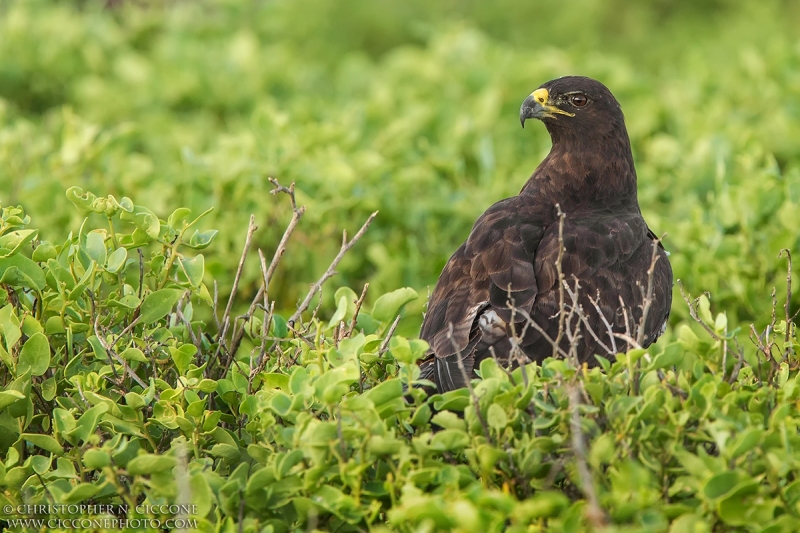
410	108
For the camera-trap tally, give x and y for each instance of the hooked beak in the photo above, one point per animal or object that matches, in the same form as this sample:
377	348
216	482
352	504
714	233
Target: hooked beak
538	105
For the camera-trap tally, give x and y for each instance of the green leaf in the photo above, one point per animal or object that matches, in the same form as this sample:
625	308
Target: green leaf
207	385
746	441
158	304
134	400
449	420
496	417
449	440
229	453
389	305
116	260
14	241
95	247
44	442
454	400
144	220
8	397
35	354
128	301
30	326
379	445
202	496
385	392
341	311
87	423
134	354
44	252
689	523
739	508
98	348
63	421
178	217
9	327
148	464
666	359
275	380
19	271
280	328
81	492
199	240
49	389
544	504
194	269
704	310
82	200
404	351
183	356
719	485
602	450
350	297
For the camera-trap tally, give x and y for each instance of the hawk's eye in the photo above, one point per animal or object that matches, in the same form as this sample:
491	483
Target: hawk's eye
578	100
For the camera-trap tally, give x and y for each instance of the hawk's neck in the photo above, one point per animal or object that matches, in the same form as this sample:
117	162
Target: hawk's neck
580	175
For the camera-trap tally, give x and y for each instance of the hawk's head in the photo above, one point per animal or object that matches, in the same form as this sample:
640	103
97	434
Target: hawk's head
573	105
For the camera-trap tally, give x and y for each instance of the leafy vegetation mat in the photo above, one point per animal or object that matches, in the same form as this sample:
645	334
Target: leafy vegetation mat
115	393
142	364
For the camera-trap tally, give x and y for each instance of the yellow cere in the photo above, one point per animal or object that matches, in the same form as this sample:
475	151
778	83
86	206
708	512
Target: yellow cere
541	95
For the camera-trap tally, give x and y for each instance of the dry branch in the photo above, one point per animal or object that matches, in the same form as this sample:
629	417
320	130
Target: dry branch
226	317
594	513
331	271
739	354
468	381
297	213
389	334
359	303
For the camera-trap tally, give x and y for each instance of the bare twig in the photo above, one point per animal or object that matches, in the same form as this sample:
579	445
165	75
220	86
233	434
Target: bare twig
297	213
269	311
226	317
110	350
788	305
632	344
389	334
573	335
299	335
594	513
359	303
559	269
648	296
186	323
141	272
761	342
516	342
557	349
331	271
215	306
739	362
611	350
725	346
467	380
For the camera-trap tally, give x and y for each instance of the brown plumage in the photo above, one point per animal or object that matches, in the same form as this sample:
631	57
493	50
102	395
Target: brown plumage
511	254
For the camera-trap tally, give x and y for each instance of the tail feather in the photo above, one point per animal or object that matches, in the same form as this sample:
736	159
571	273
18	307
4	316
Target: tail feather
427	369
448	374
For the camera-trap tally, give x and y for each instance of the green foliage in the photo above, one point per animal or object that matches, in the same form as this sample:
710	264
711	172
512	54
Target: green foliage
408	110
113	393
124	377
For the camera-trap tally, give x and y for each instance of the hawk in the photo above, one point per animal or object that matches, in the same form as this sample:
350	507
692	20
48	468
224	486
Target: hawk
499	294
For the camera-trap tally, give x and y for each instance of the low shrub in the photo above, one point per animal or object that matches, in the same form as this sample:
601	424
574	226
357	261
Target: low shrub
125	382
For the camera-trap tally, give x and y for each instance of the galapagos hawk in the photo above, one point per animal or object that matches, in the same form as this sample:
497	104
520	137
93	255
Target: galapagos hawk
499	294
